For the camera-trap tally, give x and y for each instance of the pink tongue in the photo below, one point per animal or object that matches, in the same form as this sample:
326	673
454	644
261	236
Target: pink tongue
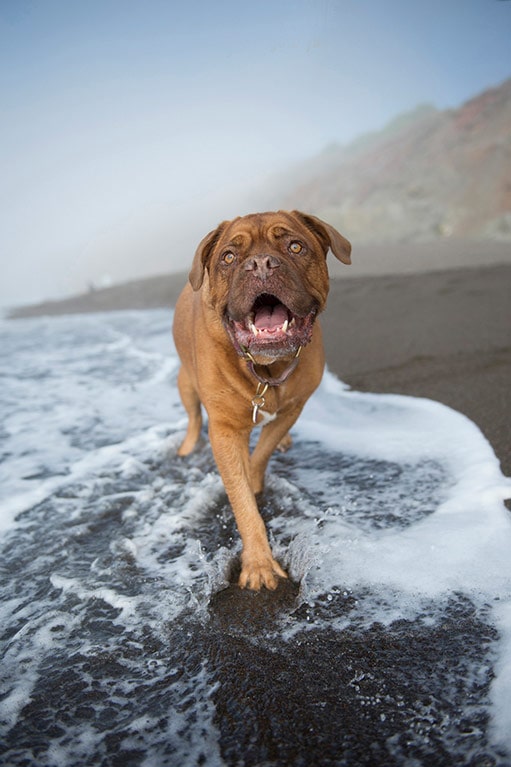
270	317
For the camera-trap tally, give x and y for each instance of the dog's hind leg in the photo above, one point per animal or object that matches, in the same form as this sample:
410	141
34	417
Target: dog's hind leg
274	436
285	443
192	405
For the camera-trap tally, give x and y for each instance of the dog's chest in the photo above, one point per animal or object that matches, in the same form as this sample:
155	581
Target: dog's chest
263	417
263	412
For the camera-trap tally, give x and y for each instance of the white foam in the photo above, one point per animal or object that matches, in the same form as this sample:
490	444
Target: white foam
447	549
90	402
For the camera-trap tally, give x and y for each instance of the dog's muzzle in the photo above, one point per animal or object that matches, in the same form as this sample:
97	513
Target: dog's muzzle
270	328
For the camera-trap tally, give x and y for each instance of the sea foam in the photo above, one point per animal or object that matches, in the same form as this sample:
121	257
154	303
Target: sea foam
111	543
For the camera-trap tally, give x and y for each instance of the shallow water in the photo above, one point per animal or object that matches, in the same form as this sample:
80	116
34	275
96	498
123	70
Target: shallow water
122	640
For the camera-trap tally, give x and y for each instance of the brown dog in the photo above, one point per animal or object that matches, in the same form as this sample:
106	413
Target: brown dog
251	351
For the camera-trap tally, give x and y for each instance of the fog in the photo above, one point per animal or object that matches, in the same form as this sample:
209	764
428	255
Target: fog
128	130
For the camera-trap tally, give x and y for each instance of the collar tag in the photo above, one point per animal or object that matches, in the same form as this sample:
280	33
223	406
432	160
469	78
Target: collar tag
258	401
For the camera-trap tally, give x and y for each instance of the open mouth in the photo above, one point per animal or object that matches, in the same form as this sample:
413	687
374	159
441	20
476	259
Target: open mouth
270	326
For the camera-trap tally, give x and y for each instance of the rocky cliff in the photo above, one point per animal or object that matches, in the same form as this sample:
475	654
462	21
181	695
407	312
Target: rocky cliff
429	174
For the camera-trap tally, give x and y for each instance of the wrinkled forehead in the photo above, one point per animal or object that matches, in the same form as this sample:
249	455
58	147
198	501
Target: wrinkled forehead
249	231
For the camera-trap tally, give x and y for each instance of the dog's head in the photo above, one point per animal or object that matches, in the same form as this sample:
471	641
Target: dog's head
268	279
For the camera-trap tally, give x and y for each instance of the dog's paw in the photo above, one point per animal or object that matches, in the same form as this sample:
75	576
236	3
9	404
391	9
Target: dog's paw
284	444
186	447
261	571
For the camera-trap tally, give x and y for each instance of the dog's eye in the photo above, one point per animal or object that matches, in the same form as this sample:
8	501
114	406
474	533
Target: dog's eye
295	247
228	257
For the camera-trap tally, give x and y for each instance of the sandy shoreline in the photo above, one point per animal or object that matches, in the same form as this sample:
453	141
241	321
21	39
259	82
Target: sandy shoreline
443	334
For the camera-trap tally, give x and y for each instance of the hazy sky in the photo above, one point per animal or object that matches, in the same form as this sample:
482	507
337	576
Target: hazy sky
130	127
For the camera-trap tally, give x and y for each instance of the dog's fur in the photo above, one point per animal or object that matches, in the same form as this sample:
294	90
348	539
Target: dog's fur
230	330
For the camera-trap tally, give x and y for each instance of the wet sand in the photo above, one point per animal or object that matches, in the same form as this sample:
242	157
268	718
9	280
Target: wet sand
346	698
444	335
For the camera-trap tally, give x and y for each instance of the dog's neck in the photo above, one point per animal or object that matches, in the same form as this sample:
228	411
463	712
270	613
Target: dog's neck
265	381
263	377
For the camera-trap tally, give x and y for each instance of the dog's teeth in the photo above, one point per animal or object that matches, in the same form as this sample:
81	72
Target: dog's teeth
285	326
253	329
293	322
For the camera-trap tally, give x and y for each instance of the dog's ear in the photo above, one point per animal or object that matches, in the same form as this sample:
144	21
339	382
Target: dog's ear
330	237
202	256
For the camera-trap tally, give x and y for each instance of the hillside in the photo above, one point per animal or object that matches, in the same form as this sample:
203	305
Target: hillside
428	174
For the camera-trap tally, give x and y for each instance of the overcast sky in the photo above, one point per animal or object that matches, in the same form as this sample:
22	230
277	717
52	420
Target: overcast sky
130	127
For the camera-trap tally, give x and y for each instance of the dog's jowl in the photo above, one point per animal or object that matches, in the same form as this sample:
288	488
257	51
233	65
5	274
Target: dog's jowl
246	331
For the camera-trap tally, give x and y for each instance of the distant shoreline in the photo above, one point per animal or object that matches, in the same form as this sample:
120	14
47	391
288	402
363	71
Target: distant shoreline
369	260
149	293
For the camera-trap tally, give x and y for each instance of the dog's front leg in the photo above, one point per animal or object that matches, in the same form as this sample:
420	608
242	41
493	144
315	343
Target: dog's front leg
231	451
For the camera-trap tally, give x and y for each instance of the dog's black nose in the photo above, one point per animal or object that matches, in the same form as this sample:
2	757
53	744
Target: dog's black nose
262	266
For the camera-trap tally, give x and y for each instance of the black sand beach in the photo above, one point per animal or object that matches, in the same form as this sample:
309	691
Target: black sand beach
442	333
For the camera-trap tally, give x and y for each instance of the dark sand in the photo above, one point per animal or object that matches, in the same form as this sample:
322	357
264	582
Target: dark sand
443	334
